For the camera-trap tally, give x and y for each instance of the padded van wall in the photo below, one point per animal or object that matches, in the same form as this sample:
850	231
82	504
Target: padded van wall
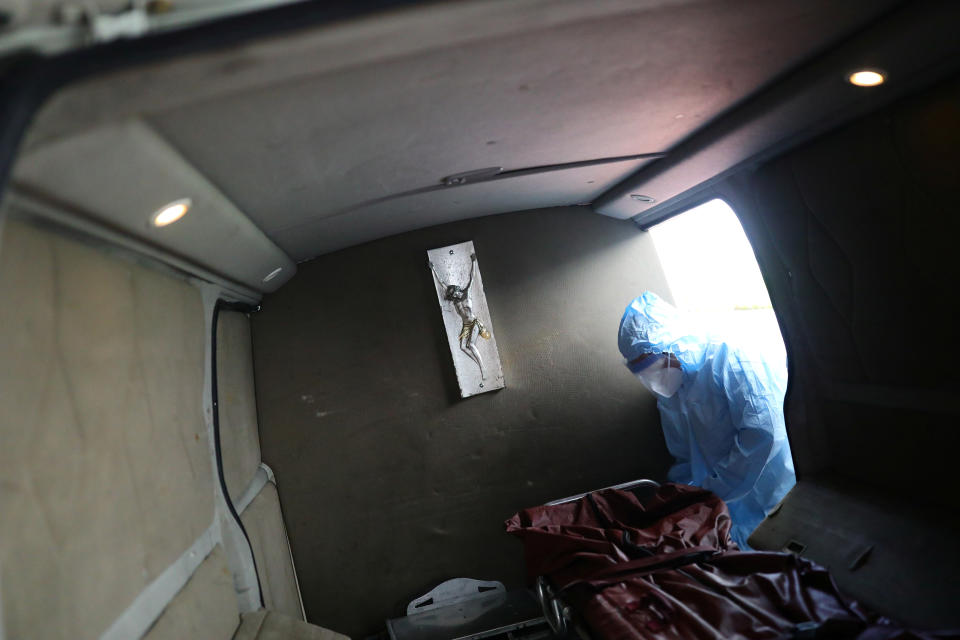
856	235
105	467
251	484
113	522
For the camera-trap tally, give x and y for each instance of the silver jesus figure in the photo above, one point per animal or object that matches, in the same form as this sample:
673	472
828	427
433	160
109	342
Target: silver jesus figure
460	297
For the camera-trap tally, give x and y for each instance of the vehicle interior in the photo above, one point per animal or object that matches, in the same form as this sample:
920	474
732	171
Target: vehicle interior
227	402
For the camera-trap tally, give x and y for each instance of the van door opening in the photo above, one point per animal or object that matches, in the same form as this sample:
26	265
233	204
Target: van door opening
712	272
721	374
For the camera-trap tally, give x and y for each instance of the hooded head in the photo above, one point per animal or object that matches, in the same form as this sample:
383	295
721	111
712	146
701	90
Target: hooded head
652	327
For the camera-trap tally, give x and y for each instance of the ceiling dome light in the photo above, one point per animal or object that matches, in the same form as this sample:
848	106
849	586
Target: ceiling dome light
867	78
170	213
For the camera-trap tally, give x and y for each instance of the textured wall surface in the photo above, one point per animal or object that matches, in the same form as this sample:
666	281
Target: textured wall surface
389	482
853	232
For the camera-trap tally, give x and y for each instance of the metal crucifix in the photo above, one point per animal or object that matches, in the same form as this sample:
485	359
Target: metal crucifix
466	318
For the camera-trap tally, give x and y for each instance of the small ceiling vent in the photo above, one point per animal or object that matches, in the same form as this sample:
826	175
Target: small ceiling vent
477	175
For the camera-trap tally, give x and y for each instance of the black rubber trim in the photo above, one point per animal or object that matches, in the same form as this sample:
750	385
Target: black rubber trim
228	306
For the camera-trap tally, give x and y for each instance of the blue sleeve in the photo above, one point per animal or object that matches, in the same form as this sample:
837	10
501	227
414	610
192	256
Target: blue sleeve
752	413
677	439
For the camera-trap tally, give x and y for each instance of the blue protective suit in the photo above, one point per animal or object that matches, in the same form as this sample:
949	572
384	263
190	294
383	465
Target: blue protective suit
725	424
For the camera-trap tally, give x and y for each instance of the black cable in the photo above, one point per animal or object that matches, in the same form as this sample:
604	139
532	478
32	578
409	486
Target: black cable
229	306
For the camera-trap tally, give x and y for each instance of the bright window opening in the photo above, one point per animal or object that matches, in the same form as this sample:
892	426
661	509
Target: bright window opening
711	270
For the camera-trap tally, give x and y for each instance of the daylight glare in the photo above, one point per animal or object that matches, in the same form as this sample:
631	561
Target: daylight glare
712	273
708	261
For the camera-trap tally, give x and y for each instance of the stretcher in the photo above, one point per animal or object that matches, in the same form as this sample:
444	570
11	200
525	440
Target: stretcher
645	561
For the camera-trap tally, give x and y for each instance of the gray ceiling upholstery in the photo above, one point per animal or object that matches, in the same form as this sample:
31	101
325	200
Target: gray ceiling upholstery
318	235
122	173
298	131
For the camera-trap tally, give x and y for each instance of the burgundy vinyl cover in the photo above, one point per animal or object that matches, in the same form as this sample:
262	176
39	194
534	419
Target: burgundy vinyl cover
665	567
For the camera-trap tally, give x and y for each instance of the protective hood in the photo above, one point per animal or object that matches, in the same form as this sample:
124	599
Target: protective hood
652	325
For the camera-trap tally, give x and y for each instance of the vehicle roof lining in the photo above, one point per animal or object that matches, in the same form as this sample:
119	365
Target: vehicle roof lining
80	175
292	130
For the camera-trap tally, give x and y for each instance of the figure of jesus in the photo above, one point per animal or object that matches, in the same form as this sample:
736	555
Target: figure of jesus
460	297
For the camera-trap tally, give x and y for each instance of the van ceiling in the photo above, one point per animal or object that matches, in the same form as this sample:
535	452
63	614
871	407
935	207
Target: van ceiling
316	135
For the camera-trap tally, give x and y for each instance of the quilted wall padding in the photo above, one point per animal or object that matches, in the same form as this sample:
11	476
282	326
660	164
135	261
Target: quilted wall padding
105	471
206	607
856	234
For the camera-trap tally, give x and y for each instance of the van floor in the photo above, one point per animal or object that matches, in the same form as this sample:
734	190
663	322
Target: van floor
893	553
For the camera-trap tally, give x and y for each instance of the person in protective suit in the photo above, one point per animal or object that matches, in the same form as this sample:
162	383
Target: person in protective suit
721	408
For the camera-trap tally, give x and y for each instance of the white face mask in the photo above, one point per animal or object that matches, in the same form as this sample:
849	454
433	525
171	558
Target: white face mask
660	377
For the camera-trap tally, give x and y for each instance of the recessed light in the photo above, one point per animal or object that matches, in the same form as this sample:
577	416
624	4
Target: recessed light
273	274
170	213
867	78
639	197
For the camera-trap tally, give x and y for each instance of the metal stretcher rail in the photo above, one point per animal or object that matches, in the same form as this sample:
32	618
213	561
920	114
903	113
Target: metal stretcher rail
633	484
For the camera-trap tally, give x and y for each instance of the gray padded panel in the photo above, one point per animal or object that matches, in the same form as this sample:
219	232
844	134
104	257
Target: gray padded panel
853	232
263	521
105	473
239	437
123	172
390	482
205	608
271	625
